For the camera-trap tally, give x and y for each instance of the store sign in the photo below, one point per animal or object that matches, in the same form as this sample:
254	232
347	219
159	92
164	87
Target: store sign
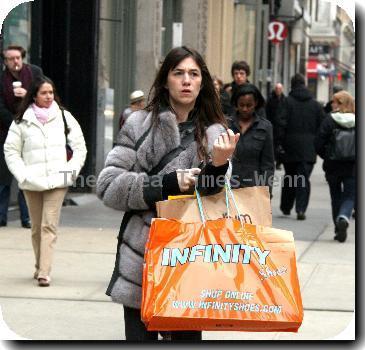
315	50
278	31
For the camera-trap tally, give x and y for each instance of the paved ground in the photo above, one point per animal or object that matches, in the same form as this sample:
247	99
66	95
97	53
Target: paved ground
76	308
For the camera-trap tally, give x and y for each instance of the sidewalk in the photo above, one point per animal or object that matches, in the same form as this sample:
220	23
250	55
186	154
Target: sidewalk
76	308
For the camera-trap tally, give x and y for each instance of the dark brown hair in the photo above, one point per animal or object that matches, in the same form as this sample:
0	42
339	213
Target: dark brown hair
207	107
249	89
240	65
14	47
31	95
219	81
297	80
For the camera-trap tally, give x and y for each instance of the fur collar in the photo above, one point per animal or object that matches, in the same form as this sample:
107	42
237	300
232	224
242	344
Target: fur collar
160	140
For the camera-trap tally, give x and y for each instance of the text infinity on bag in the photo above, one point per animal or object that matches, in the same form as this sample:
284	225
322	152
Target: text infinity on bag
212	253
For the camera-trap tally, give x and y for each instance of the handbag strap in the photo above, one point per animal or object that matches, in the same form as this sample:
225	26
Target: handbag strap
166	159
66	128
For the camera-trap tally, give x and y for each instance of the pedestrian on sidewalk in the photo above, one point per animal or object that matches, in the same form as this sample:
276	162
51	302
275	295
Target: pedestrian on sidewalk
136	102
35	152
335	143
273	107
15	80
240	71
298	123
328	107
224	97
182	125
253	160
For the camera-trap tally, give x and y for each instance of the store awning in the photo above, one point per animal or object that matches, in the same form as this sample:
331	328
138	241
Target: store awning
312	69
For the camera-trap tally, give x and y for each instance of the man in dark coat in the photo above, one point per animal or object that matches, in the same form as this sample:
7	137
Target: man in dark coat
328	107
15	80
298	123
273	107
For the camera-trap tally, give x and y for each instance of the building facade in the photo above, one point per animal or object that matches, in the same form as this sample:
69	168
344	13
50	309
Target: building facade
331	59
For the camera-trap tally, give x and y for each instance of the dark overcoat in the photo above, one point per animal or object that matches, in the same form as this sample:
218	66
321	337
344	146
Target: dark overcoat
297	124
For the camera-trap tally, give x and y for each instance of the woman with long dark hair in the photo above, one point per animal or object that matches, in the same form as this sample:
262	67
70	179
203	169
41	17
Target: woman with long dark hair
160	151
35	152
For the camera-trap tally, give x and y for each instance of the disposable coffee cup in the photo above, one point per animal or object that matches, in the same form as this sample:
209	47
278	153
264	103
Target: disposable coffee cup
17	84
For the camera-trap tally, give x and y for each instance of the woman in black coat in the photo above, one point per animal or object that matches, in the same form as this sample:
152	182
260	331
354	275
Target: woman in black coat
253	160
339	163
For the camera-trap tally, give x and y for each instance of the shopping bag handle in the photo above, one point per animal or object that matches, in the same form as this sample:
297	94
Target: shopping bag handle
228	193
228	190
200	204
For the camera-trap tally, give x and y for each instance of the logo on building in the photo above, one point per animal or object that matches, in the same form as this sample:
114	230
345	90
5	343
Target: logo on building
278	31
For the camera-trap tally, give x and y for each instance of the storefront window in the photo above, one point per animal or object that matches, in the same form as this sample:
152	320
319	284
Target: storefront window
16	27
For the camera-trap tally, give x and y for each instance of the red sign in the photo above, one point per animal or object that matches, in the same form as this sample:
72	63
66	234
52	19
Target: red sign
278	31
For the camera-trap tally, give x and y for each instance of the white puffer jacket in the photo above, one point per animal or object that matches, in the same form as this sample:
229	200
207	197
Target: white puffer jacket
36	153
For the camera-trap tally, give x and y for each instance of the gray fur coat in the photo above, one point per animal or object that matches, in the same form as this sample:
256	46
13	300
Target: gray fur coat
125	185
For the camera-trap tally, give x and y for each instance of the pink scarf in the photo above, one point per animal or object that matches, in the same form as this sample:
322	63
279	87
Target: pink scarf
43	114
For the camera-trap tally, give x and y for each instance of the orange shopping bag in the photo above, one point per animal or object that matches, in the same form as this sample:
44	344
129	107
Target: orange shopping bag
220	275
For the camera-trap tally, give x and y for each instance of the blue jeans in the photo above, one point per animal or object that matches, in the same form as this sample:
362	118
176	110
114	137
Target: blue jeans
4	204
342	190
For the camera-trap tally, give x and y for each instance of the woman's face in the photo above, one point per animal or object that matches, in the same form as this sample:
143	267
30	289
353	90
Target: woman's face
216	85
184	83
246	105
44	96
335	105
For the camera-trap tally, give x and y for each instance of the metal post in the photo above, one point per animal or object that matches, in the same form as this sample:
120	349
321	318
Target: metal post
276	63
265	44
286	64
258	41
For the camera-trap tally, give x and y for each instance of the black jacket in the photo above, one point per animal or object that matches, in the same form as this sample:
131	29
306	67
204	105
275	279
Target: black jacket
225	101
253	160
322	140
297	124
273	106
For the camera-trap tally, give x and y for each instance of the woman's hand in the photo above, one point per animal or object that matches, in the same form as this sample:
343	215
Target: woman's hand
224	147
186	178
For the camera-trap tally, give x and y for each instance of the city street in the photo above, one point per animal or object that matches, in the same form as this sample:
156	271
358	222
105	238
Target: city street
76	308
162	79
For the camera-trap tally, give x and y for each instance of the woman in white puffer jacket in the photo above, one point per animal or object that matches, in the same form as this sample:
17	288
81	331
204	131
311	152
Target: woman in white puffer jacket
35	152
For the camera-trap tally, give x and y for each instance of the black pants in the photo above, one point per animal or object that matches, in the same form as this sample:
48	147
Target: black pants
135	330
296	186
